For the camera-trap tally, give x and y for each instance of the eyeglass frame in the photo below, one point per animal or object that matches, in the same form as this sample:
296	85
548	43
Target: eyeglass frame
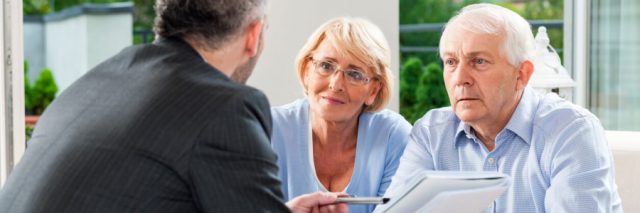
315	64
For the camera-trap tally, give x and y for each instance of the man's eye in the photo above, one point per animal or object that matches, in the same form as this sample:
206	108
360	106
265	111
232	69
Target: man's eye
480	61
449	62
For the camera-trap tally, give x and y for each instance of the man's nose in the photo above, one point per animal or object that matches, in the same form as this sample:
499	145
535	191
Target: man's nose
462	75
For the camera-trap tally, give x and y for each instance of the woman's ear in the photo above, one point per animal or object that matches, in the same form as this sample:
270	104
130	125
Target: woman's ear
305	81
375	90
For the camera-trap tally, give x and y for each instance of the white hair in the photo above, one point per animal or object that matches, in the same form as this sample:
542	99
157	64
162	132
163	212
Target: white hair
518	43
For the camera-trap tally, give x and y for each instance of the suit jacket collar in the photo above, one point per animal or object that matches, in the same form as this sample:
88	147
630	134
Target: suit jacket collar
186	50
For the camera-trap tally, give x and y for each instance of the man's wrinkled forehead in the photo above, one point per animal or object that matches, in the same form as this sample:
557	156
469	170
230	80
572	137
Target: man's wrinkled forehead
462	35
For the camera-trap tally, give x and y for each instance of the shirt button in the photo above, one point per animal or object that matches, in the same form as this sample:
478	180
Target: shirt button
490	160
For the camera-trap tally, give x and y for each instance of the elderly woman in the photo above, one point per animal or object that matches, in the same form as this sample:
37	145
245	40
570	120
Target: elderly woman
339	138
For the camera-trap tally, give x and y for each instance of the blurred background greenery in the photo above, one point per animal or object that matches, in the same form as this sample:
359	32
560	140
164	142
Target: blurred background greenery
421	83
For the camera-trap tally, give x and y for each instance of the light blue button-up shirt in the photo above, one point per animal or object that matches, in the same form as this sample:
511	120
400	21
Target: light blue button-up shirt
555	152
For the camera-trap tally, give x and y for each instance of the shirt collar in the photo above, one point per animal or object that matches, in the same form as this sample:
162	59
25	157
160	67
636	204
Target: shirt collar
521	122
465	132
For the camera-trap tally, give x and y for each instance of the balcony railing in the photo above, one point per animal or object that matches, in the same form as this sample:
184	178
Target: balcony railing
437	27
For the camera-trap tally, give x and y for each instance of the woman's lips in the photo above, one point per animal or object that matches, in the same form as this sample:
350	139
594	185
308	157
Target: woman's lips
332	100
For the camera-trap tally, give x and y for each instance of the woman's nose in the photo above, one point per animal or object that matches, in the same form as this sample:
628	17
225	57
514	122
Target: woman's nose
337	80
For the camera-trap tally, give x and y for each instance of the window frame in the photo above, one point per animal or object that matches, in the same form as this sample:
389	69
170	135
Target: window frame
576	47
12	127
577	18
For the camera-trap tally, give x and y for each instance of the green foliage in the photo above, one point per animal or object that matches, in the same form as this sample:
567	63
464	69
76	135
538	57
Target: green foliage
43	92
421	89
431	92
28	131
28	91
411	71
426	11
35	7
38	96
144	14
547	9
543	9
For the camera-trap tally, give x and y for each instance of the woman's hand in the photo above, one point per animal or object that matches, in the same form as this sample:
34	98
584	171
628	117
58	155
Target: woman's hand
317	202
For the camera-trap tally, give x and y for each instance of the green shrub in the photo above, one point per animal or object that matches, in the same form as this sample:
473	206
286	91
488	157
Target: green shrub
28	131
28	91
431	92
35	7
44	91
39	95
410	74
421	89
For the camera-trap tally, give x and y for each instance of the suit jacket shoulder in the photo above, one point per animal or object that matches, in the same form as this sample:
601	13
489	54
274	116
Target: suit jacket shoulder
153	129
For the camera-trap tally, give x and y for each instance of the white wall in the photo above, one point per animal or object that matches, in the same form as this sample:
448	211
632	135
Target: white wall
77	44
33	47
291	22
66	49
107	36
626	156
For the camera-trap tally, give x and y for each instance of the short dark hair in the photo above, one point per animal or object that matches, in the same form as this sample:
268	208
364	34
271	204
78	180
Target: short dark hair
208	22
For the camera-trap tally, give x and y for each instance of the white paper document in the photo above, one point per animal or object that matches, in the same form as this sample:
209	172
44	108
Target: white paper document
447	191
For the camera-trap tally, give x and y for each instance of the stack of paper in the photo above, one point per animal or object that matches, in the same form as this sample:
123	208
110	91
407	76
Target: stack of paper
447	191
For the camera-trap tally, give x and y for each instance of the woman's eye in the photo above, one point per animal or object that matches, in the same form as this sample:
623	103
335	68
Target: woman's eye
326	66
355	75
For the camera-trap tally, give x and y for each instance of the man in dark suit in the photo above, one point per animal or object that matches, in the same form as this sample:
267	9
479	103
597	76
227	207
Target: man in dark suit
165	127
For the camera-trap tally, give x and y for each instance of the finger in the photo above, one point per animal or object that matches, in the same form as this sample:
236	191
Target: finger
324	198
331	208
342	207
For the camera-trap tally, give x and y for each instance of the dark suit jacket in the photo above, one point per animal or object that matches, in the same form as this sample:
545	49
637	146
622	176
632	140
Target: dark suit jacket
153	129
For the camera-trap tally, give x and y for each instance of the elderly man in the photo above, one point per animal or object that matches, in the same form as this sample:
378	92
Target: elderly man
164	127
555	152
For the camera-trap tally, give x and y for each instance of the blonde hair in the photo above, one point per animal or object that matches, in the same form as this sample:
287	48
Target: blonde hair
357	37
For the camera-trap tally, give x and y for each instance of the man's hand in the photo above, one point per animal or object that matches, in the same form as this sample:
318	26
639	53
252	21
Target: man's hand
317	202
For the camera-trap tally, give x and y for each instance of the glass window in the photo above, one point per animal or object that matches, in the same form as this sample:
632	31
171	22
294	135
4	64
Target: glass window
614	89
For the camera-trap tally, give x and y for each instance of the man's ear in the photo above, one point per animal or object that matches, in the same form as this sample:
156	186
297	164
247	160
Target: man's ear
252	37
524	74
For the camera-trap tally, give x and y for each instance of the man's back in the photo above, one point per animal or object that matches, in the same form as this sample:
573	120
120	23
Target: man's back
153	129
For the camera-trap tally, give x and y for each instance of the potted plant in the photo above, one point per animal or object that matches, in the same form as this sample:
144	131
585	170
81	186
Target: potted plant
39	95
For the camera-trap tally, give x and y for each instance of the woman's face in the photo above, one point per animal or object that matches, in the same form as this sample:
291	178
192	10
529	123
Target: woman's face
338	87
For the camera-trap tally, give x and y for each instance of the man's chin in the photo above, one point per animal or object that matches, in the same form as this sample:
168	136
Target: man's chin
467	115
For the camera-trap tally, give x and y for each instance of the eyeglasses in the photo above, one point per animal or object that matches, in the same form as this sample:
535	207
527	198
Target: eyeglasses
326	68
